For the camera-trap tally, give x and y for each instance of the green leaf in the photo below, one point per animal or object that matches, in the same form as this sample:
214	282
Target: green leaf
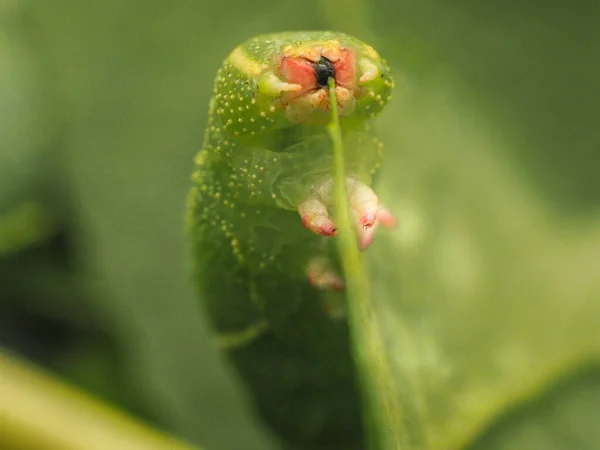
488	298
564	418
487	289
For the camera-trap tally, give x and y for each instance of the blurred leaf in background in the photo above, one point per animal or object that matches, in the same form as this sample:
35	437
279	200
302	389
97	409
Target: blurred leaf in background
488	290
493	292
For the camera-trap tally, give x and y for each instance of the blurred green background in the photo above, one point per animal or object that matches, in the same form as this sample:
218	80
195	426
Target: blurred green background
488	291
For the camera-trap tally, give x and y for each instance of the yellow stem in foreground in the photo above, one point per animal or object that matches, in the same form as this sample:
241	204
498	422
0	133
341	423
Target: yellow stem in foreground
382	412
37	411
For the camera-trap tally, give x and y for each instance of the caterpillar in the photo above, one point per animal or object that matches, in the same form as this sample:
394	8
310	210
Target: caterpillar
261	228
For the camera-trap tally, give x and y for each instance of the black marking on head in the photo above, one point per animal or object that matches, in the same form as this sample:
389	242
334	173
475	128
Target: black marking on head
324	70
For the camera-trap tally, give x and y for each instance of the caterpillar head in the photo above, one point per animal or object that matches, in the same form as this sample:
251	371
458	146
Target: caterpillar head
301	72
281	80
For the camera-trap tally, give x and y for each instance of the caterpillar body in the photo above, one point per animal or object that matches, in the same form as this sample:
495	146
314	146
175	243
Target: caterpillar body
261	228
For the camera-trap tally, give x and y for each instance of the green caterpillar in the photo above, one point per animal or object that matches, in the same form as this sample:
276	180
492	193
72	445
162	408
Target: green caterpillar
260	224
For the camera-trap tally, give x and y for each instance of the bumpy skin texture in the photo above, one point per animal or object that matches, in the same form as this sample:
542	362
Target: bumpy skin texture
266	151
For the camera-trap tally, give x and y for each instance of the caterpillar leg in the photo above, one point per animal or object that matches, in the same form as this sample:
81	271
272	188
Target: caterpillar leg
321	275
365	233
367	213
315	216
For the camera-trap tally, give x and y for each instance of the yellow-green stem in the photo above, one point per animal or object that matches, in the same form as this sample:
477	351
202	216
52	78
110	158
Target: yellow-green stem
39	412
382	412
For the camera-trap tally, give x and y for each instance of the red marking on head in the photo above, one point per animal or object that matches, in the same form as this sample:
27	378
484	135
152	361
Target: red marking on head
345	71
299	105
298	71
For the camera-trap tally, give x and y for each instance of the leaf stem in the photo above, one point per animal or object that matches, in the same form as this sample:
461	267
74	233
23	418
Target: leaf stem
382	412
37	411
